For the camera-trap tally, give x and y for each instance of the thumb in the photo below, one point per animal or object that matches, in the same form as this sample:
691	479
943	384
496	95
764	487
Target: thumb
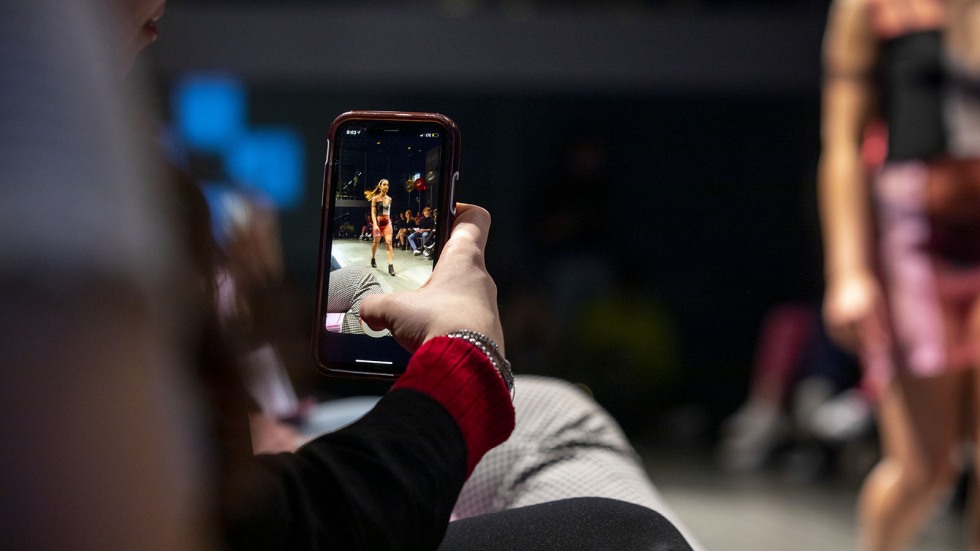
384	312
373	310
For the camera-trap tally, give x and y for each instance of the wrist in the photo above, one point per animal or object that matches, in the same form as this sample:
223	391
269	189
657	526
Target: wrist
849	276
490	349
458	376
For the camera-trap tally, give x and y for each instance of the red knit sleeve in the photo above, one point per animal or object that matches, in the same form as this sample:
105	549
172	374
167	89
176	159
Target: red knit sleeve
461	378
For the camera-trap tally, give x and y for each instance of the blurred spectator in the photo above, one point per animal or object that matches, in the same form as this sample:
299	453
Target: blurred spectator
804	399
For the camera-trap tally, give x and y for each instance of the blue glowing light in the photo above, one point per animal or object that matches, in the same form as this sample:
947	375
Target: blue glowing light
269	160
210	114
209	111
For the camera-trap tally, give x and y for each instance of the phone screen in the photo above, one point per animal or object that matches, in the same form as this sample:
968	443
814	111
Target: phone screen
387	211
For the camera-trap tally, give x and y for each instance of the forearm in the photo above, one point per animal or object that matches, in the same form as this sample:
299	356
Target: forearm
844	215
848	93
391	479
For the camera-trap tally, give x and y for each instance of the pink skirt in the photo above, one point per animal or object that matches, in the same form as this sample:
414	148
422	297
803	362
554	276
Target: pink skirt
929	296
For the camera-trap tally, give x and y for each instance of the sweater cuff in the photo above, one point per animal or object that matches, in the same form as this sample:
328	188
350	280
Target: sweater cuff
461	378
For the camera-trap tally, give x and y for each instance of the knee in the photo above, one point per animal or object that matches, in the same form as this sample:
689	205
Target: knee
932	474
547	405
549	390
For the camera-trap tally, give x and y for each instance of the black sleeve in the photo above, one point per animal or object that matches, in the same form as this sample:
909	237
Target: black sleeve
389	481
582	523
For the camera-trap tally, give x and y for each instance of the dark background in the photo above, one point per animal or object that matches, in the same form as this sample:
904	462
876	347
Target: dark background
645	278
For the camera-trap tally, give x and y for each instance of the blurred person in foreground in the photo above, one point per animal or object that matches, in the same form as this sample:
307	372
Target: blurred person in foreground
108	290
902	252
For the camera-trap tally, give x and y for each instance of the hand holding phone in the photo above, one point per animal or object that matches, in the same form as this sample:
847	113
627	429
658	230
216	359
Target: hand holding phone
386	173
460	294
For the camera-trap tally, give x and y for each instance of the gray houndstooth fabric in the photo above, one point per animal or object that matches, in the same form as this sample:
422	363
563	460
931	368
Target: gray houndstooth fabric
564	445
347	287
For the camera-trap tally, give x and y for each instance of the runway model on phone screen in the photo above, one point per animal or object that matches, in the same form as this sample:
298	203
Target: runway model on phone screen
381	221
902	248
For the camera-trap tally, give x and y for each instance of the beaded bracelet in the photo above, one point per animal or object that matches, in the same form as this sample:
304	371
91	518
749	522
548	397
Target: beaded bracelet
492	352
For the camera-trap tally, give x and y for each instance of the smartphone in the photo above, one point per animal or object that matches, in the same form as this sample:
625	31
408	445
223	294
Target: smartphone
388	206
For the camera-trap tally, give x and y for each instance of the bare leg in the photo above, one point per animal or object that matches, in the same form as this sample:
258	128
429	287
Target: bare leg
921	422
388	246
973	510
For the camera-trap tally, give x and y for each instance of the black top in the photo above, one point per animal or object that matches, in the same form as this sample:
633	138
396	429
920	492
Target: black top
912	78
400	223
383	207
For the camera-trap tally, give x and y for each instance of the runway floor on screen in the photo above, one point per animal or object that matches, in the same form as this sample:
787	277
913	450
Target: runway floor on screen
411	271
